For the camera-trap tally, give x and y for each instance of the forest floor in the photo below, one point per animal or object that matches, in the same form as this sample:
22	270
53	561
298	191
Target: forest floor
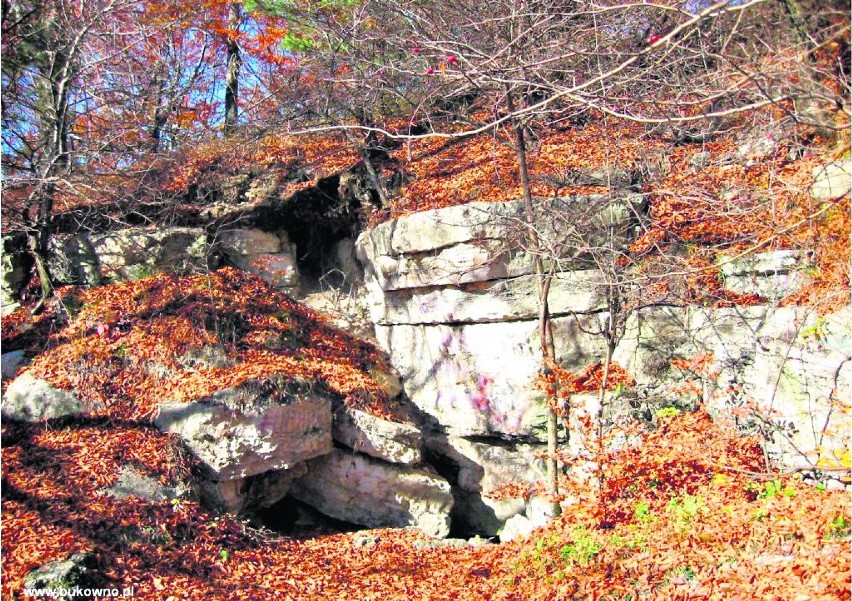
689	510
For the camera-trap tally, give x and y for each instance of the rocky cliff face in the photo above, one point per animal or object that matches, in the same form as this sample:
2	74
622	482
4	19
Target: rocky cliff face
453	300
455	305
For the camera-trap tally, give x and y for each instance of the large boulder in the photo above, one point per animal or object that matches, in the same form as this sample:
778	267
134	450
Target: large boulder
244	431
428	231
482	469
253	439
366	491
384	439
133	254
31	399
270	256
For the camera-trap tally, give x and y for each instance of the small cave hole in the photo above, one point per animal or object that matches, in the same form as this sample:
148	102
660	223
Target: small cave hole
294	518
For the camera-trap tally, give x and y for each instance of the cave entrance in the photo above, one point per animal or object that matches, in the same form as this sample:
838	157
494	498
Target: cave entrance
296	519
323	222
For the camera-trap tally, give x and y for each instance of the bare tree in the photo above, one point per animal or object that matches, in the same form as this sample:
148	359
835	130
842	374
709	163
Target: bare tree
232	69
689	70
45	60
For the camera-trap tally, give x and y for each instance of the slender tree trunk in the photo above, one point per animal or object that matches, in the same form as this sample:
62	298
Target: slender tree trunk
375	178
157	129
610	349
544	322
232	77
52	73
38	254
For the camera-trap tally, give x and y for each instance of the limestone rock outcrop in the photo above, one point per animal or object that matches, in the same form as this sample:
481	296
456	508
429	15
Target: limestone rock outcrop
358	489
455	307
380	438
129	254
32	399
252	445
481	469
270	256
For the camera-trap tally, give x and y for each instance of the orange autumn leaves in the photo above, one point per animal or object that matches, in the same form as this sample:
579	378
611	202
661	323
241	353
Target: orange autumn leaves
684	513
676	518
484	167
704	200
131	346
298	163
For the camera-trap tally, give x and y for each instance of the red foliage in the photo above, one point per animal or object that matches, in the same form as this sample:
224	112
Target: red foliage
122	351
729	539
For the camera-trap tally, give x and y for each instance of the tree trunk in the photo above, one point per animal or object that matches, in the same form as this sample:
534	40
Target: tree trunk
53	67
545	328
232	77
38	254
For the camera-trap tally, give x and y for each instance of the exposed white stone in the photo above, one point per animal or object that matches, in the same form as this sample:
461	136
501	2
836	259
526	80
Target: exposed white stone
459	264
483	468
72	260
11	363
794	365
7	309
248	242
511	299
777	261
772	287
344	260
129	254
520	527
377	437
478	242
832	180
771	275
366	491
13	271
136	253
236	434
31	399
439	228
479	379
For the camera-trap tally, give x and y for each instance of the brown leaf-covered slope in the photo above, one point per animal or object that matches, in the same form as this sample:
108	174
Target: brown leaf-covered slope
677	515
128	347
677	518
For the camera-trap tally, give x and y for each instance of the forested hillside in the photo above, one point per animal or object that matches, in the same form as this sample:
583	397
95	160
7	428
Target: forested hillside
423	300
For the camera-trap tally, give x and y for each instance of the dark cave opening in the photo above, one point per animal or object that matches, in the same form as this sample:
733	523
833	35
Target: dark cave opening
292	517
